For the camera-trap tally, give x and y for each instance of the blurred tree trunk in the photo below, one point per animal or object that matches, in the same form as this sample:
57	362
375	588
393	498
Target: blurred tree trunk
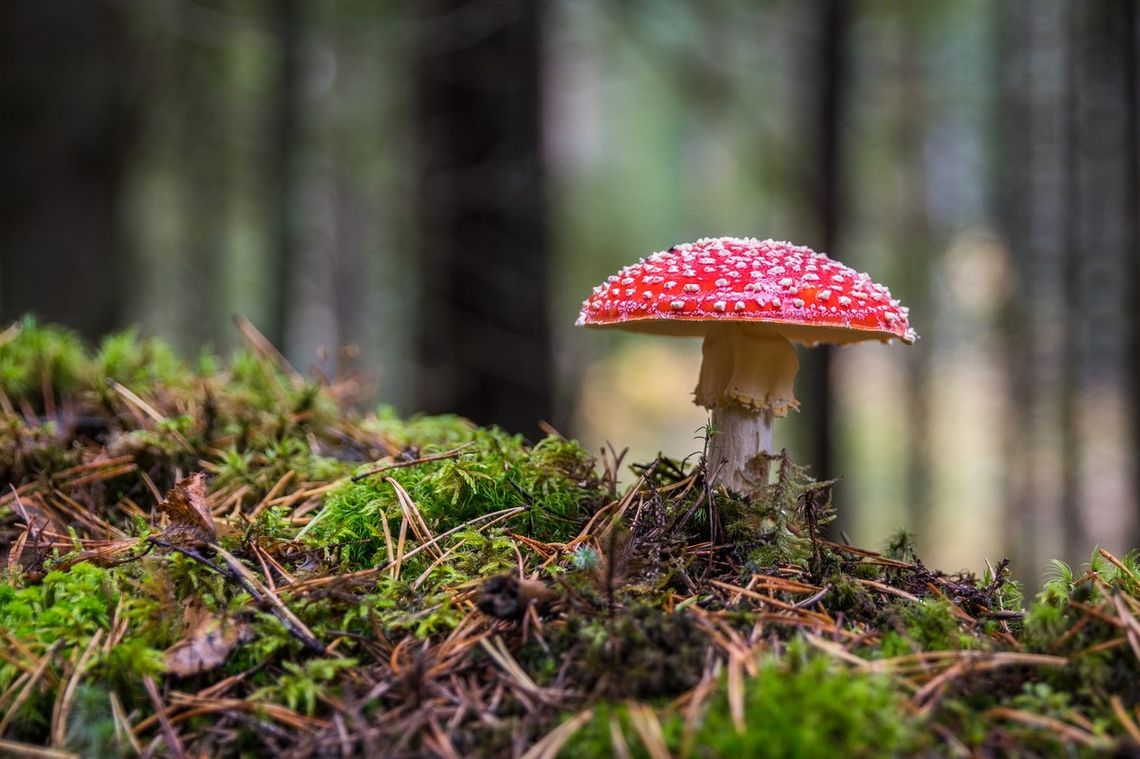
1131	25
914	263
283	173
1032	71
67	122
829	81
1069	213
199	139
484	350
1071	444
1104	37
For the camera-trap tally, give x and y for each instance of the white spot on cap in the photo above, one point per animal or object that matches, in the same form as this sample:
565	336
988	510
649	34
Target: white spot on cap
823	294
798	302
809	277
720	305
786	282
890	316
670	285
677	305
692	287
776	270
722	282
630	291
740	305
647	294
844	300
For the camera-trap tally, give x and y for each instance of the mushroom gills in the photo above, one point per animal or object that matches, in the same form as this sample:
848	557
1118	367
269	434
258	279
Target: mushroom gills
753	369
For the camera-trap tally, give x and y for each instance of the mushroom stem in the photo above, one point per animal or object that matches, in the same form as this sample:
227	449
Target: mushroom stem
747	378
735	455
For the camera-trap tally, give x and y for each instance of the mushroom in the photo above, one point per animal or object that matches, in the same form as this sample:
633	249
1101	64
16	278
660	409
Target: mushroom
749	300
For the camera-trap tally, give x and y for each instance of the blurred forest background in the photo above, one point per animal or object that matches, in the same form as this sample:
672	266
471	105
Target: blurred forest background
439	183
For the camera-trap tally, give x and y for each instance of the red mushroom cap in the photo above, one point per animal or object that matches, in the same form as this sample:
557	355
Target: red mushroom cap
794	291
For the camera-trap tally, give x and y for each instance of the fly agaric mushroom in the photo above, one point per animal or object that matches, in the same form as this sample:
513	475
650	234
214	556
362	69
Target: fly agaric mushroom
749	300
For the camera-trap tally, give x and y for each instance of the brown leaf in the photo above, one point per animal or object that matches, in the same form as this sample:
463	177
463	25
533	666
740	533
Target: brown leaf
206	647
190	520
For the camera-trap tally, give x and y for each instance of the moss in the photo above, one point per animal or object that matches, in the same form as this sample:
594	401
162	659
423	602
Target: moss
140	364
849	596
68	606
796	707
931	625
41	358
644	652
553	482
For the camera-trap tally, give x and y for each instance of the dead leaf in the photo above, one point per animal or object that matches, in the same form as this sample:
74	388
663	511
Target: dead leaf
191	522
206	647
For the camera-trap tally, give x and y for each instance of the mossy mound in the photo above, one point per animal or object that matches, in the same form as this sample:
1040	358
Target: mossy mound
343	583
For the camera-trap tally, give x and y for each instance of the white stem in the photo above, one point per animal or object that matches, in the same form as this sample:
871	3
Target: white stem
747	377
735	454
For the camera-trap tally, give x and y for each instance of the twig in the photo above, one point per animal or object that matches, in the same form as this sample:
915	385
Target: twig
168	733
258	592
67	696
552	743
264	348
1063	729
454	452
12	748
1122	714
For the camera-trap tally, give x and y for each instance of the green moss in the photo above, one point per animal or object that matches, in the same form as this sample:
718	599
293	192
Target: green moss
796	707
39	358
140	364
68	606
301	685
553	482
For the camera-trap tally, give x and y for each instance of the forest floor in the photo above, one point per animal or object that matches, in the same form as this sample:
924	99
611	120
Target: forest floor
225	559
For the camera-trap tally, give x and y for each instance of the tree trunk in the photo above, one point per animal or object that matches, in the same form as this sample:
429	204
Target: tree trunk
1131	30
1072	526
484	349
283	180
66	127
832	57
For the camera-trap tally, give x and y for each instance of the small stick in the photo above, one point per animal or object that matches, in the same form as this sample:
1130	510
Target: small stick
172	741
242	576
454	452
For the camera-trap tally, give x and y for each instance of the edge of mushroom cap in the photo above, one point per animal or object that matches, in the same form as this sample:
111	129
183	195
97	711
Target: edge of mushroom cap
807	334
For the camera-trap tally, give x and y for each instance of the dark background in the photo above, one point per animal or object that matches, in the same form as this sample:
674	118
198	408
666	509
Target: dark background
439	184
